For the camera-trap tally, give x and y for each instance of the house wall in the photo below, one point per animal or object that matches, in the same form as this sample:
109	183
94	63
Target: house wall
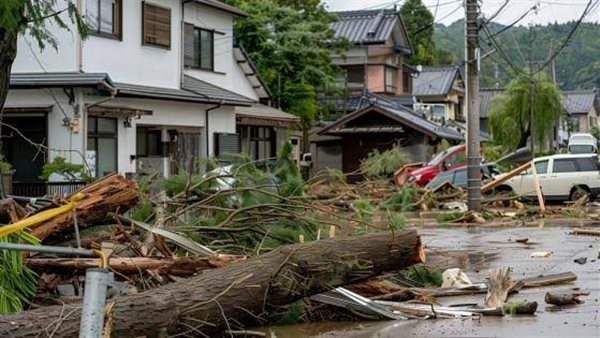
376	78
326	155
63	58
62	141
129	60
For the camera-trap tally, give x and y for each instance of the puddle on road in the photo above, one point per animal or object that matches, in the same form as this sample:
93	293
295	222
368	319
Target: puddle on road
478	250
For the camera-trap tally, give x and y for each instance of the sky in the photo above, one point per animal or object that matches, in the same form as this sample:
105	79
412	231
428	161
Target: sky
449	11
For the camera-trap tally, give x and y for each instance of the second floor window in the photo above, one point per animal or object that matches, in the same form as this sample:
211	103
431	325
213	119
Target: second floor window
199	47
156	25
104	17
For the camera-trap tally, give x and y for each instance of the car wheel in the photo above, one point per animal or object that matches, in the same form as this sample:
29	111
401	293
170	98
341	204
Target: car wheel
578	192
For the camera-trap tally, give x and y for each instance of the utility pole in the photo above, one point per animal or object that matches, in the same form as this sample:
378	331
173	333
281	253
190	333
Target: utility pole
472	97
531	94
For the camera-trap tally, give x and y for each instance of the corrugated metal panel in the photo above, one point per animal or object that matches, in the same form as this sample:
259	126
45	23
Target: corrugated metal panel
365	26
226	144
578	101
433	81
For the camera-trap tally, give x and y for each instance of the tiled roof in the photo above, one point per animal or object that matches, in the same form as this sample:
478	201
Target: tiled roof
398	112
433	81
485	99
579	101
367	26
355	102
58	79
211	91
261	111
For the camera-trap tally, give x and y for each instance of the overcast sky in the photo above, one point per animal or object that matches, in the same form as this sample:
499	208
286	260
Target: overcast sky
449	11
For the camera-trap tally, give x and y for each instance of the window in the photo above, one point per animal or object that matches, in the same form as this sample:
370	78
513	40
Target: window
104	17
390	80
149	142
355	77
102	145
199	47
564	166
156	25
541	167
258	142
406	81
587	164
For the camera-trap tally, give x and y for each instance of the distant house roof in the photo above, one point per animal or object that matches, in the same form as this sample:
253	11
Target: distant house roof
369	27
355	102
435	81
222	6
60	79
485	99
579	101
395	112
262	112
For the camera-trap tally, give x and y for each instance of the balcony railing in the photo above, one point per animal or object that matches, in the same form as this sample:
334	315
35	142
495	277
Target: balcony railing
40	188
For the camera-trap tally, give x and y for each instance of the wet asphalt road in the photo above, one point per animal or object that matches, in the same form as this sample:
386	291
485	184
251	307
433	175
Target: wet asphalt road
476	250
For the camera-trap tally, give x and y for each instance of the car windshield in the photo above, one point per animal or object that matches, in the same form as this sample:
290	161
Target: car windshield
581	149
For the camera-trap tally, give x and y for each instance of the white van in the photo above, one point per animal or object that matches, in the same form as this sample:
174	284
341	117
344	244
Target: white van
582	143
561	177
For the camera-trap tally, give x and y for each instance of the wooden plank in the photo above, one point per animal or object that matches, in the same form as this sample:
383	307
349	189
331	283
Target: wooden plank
495	183
548	280
538	190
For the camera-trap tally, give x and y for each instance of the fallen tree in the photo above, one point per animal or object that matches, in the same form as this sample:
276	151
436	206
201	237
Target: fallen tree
238	294
177	266
112	193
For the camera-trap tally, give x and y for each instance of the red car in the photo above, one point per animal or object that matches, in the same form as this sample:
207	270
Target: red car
451	158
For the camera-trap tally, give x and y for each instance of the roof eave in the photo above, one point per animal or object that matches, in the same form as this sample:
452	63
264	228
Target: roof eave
223	7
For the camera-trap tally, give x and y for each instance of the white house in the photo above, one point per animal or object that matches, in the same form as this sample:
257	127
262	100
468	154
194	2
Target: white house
156	86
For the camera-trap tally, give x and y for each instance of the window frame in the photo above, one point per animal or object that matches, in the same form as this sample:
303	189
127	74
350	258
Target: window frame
150	44
98	32
96	135
197	31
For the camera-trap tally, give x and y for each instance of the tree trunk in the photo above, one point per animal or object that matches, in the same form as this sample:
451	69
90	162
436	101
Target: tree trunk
112	193
238	294
8	52
179	266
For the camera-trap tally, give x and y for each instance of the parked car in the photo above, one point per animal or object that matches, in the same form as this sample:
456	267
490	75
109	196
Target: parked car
451	158
561	177
458	177
582	143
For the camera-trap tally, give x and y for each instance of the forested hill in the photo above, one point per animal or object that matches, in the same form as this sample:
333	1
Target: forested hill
577	66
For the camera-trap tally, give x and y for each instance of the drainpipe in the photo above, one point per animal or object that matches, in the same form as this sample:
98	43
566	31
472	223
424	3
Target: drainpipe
217	106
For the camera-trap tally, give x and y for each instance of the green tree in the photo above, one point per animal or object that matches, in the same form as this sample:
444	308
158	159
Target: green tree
301	98
510	113
32	17
418	21
291	44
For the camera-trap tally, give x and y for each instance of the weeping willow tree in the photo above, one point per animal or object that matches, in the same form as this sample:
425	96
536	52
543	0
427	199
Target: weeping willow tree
510	114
